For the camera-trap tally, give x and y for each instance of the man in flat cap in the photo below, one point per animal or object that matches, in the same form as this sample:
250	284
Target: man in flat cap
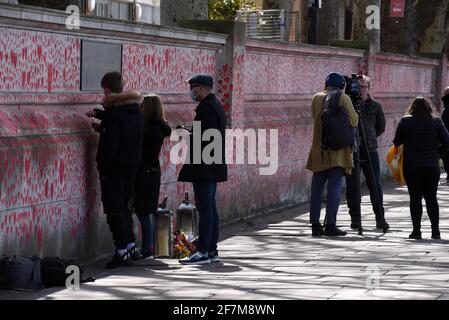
205	173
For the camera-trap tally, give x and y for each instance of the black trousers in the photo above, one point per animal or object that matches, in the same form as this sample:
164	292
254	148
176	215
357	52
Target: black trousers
446	163
146	190
353	192
423	182
116	191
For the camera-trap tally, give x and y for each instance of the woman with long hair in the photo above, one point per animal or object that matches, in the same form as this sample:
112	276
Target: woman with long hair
148	179
425	140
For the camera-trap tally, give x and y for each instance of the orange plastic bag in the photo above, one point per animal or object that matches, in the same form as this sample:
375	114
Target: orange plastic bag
396	163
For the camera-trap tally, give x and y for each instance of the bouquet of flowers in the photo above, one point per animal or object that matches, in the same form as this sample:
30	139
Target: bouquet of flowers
182	246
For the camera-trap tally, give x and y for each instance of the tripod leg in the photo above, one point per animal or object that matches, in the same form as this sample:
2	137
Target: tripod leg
353	196
357	197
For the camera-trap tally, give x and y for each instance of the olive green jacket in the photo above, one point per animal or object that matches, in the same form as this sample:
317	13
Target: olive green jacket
320	159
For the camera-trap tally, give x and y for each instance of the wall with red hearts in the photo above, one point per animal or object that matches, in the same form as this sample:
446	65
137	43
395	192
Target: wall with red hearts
49	191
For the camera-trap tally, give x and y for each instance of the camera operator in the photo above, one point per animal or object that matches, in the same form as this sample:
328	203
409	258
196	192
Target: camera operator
373	121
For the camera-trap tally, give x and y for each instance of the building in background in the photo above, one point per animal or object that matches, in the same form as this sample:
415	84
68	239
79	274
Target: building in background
296	21
314	21
164	12
123	10
175	10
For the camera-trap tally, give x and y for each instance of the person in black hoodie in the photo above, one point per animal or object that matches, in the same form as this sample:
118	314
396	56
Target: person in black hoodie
445	118
204	175
118	157
425	138
148	181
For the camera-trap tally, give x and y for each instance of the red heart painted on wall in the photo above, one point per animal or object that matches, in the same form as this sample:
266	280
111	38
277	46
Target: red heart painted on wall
27	167
39	52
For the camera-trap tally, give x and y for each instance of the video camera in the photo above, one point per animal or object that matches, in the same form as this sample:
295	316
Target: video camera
353	86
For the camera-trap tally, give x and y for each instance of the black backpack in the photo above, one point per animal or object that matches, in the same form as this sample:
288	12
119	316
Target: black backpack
337	130
20	273
54	271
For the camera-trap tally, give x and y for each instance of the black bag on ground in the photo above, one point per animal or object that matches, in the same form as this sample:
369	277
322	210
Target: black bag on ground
337	130
20	273
54	271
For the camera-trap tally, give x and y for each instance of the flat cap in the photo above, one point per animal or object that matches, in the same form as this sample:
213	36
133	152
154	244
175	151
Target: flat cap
202	79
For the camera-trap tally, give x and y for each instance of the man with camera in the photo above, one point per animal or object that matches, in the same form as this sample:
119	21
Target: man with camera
373	123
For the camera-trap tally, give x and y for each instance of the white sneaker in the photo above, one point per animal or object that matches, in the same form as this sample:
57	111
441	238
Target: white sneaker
214	257
196	258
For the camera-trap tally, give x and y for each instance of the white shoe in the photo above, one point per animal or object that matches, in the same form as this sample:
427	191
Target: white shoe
214	257
197	258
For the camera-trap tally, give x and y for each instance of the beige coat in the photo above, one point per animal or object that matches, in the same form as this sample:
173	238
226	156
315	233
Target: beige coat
319	159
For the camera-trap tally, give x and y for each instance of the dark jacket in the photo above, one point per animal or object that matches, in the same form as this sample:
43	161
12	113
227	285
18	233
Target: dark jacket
148	179
154	134
373	120
424	140
210	113
445	114
121	133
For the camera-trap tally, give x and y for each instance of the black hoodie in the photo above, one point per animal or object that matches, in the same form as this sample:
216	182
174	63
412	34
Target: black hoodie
121	133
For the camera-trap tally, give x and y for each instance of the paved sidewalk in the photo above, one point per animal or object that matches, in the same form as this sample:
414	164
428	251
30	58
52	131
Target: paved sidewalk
274	257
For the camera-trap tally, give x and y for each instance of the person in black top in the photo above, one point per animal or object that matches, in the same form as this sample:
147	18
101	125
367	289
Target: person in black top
118	156
148	180
445	118
425	139
205	174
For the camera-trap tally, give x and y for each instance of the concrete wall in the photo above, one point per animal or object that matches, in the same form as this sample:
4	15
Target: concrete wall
49	192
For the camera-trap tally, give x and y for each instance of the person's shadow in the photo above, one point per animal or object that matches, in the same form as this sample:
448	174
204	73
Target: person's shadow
219	267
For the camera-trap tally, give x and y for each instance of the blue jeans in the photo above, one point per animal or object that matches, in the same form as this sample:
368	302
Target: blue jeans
334	178
146	222
205	202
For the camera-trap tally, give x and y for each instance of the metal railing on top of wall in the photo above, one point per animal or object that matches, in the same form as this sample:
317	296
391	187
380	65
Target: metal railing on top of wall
277	25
